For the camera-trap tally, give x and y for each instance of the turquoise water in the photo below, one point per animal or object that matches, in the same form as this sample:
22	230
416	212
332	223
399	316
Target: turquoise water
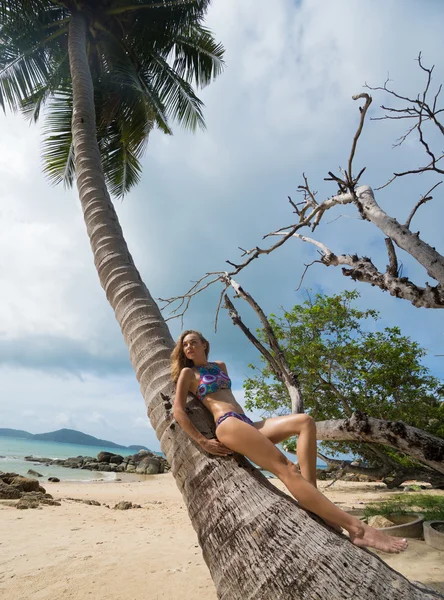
13	451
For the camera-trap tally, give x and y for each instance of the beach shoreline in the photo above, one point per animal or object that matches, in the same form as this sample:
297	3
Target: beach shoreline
79	551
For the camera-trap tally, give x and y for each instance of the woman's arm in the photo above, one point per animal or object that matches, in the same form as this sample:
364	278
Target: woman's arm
182	390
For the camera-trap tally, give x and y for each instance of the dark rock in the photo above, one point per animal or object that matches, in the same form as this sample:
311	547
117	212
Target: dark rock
117	459
54	479
24	503
104	457
9	492
34	473
40	498
24	484
148	466
126	505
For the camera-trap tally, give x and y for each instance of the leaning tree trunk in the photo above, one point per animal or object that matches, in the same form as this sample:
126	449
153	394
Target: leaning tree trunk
255	540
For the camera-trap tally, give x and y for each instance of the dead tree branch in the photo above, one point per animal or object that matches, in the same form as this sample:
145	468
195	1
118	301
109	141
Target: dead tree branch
422	201
310	212
276	358
362	269
414	442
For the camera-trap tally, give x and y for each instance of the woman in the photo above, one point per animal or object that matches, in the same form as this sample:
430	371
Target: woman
235	432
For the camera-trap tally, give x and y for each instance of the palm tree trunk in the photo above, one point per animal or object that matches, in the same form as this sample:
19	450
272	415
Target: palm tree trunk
255	540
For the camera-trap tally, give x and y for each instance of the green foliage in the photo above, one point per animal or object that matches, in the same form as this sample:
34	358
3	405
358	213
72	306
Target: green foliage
144	56
430	507
343	368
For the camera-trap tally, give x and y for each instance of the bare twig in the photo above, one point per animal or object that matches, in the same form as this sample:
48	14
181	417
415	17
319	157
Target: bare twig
363	110
422	201
305	271
422	111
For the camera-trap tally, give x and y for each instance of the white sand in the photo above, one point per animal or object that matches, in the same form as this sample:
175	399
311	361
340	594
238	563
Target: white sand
76	551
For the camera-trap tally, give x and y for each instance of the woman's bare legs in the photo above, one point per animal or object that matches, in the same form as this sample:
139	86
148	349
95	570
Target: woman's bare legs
278	429
247	440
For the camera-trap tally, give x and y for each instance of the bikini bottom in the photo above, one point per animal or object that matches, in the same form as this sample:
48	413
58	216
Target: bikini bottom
236	415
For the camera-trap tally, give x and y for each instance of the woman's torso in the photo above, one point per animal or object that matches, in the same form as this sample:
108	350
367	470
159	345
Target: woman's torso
212	387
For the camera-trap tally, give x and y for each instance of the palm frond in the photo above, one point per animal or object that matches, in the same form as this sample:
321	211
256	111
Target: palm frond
124	121
174	8
120	162
23	67
124	75
176	94
13	9
144	57
59	77
198	56
57	147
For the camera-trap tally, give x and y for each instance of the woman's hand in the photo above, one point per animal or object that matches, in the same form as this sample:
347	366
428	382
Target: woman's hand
215	447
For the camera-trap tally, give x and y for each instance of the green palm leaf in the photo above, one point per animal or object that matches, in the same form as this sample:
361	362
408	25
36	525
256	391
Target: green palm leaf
57	148
144	56
198	56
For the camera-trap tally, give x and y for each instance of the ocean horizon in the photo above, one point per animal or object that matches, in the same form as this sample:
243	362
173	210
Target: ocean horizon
14	449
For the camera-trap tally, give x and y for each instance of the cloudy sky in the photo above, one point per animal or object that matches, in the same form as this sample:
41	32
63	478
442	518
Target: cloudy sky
282	107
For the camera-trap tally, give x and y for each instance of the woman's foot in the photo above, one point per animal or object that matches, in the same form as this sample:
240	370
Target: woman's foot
369	537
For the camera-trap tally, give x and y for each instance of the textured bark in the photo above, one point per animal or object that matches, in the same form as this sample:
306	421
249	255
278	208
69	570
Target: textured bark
427	256
416	443
361	268
255	540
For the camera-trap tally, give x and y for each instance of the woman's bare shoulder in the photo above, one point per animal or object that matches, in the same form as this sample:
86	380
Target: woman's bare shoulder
186	372
220	364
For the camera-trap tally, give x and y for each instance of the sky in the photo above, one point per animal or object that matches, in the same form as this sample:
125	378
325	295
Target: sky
282	107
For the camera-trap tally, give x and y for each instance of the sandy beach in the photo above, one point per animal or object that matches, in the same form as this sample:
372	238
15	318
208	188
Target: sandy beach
77	551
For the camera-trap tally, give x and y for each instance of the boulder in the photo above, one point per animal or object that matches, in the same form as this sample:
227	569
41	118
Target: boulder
116	459
54	479
104	457
34	473
8	492
148	466
26	503
379	521
126	505
24	484
40	499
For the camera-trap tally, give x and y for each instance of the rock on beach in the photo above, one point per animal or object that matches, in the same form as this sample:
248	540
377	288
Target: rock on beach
143	462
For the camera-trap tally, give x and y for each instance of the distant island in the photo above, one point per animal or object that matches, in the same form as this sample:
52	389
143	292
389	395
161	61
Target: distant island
66	436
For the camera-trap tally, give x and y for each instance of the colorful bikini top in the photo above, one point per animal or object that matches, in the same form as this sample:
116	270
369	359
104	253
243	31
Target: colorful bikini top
212	379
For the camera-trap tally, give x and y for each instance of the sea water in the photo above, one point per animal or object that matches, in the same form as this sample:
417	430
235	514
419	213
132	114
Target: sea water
14	450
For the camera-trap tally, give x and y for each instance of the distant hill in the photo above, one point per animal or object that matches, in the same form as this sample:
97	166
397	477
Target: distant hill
17	433
66	436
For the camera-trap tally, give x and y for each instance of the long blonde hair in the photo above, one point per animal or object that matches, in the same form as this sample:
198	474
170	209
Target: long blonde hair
178	358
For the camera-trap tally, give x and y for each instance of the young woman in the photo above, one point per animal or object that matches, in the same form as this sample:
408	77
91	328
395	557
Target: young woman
209	382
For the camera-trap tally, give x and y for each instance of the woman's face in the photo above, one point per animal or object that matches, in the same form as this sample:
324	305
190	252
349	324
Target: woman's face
193	347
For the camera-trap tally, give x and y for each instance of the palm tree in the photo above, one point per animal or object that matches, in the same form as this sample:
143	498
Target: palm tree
109	71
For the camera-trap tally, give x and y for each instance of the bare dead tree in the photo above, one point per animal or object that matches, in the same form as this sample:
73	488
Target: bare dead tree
422	110
310	211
